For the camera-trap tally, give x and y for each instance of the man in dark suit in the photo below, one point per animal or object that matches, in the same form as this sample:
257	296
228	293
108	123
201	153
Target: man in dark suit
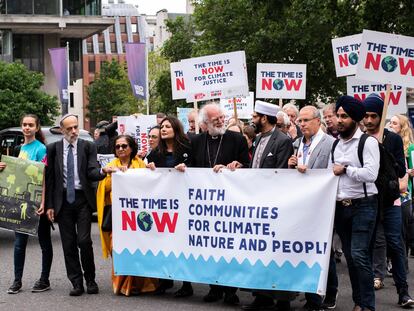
272	149
70	199
217	148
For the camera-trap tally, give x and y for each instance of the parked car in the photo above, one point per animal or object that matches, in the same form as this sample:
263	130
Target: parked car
12	137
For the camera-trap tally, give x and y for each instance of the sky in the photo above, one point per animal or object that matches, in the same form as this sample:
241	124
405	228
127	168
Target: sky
150	7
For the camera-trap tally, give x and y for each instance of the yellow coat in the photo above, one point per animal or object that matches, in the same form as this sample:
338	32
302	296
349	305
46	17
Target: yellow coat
104	197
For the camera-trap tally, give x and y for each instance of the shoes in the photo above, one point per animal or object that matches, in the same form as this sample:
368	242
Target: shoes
92	287
77	290
41	286
213	295
184	291
312	307
164	285
405	301
330	302
15	287
231	299
261	303
378	283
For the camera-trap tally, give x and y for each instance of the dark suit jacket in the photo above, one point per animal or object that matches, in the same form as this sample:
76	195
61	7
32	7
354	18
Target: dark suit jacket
233	148
159	159
88	171
277	151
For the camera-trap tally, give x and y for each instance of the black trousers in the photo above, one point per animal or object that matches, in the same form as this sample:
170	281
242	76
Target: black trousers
75	232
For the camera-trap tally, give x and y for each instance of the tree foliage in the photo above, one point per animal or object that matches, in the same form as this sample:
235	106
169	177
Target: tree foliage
110	94
284	31
20	93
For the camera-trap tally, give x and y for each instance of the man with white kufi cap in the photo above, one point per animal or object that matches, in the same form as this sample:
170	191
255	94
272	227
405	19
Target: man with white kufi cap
272	149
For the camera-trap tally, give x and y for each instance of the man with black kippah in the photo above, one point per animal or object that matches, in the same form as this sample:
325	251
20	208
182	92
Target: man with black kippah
356	205
389	227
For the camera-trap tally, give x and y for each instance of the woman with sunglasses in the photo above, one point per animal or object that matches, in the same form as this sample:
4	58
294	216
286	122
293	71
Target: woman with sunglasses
173	149
125	149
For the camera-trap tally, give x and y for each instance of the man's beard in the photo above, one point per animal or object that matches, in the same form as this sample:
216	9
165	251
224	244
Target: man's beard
346	133
257	127
215	131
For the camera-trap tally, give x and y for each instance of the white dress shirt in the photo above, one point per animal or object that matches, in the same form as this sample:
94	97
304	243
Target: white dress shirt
75	161
346	153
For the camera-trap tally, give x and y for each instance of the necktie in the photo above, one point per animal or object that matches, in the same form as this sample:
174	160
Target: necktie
70	176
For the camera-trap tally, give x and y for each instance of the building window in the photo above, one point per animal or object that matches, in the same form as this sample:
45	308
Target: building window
101	48
122	28
71	100
89	47
134	28
28	49
82	7
43	7
113	47
46	7
91	66
5	45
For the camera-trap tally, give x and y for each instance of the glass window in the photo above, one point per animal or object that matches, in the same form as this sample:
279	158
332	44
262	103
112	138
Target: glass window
123	28
46	7
89	47
91	66
134	28
29	50
2	6
75	57
82	7
71	100
19	7
113	47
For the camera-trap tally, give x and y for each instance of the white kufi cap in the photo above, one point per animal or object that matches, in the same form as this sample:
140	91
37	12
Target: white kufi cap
266	108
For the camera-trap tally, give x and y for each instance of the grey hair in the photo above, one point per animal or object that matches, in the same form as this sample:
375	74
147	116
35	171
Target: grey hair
291	106
203	116
286	120
315	111
329	107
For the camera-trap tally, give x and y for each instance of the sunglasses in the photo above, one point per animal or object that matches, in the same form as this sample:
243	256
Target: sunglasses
123	146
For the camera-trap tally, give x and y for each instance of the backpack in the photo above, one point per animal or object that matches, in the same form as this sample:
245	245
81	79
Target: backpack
387	181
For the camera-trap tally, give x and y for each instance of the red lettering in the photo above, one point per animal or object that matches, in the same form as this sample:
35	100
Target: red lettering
394	97
129	220
360	98
165	220
266	84
343	60
375	62
404	68
208	70
180	84
293	83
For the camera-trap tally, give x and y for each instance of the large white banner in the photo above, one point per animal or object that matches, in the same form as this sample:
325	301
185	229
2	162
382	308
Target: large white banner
216	228
386	58
345	52
138	127
222	74
281	81
244	106
361	89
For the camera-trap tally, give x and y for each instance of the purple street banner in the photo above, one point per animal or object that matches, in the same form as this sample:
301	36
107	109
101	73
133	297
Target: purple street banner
137	69
346	53
59	60
386	58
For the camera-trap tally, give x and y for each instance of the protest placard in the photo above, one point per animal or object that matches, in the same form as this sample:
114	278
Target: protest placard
20	194
182	115
244	106
137	127
218	229
177	82
361	89
346	53
386	58
216	76
281	81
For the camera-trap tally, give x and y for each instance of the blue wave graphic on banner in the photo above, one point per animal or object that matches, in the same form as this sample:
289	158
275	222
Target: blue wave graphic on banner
245	275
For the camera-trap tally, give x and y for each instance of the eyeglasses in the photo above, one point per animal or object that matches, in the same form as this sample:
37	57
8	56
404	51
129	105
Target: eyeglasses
123	146
305	120
278	125
153	136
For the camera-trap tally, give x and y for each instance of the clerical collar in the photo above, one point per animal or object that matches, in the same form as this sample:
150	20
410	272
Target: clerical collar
214	137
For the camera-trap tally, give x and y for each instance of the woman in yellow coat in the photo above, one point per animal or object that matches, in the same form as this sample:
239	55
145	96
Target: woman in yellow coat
126	158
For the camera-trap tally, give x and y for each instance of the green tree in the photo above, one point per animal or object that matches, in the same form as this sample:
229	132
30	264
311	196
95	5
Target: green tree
20	93
111	94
